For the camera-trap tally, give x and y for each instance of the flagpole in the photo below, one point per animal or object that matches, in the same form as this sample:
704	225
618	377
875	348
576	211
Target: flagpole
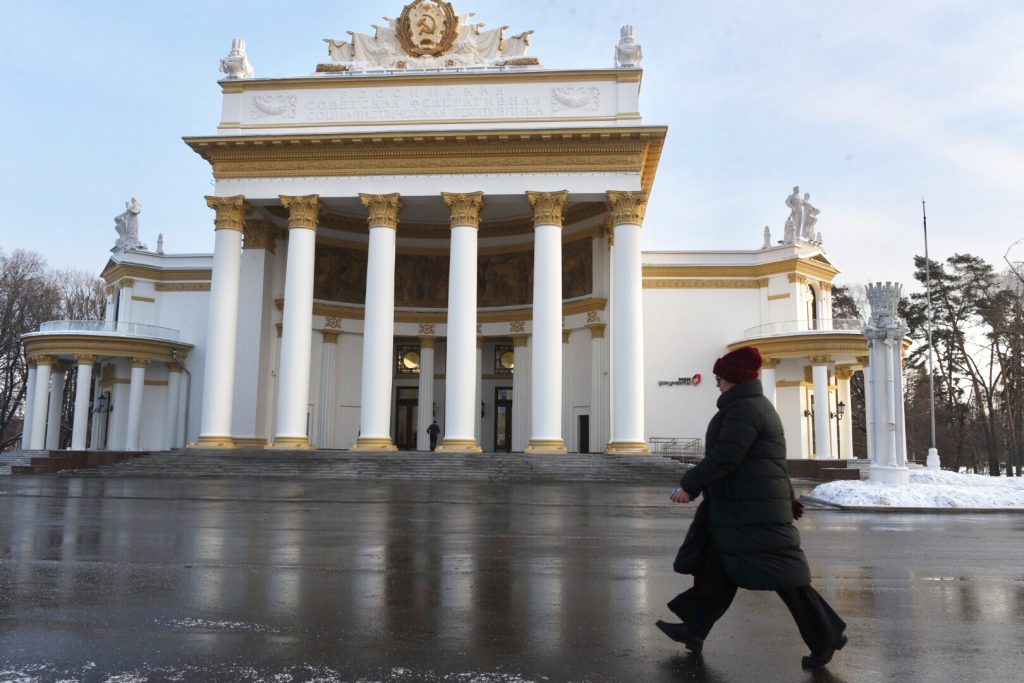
933	452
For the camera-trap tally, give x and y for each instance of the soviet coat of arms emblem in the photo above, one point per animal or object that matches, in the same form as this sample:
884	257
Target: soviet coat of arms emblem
427	27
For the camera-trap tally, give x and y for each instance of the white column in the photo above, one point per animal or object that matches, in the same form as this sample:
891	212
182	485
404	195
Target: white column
222	327
567	426
108	311
627	329
40	400
297	329
546	366
124	307
599	396
53	418
479	375
325	398
461	410
885	332
83	386
520	391
768	379
30	393
822	432
379	325
171	431
426	392
135	389
843	376
99	419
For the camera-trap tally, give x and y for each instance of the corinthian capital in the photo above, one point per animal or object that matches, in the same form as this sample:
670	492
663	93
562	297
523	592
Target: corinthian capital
548	207
627	207
384	209
465	207
230	212
303	210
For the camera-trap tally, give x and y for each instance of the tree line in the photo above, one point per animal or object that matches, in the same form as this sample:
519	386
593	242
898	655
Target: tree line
32	293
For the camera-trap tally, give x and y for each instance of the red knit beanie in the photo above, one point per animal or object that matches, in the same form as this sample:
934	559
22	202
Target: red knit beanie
739	365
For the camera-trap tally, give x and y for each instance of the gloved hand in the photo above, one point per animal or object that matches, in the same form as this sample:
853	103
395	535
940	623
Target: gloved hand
798	509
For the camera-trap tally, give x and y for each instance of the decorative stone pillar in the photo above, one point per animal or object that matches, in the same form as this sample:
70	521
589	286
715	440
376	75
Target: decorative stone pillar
135	390
99	420
53	418
768	378
30	393
173	407
460	362
379	325
844	439
426	391
822	438
627	328
222	328
885	332
567	427
546	366
297	329
520	391
83	386
41	398
325	398
599	396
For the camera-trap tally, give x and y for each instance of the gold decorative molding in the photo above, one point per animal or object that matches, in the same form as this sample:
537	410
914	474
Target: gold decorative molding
144	299
820	360
597	330
332	322
126	272
427	342
480	339
593	317
85	358
427	329
42	359
229	212
793	268
384	209
793	383
565	336
776	297
844	372
32	363
769	363
127	283
459	446
290	443
797	278
139	362
260	235
250	442
517	326
548	207
546	447
303	210
330	336
627	208
700	284
374	444
182	286
834	344
465	208
762	282
69	345
520	339
627	448
440	317
206	441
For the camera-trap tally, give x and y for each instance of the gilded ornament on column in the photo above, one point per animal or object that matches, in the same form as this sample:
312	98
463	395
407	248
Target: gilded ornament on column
597	330
517	326
593	317
44	360
769	363
820	360
384	209
260	235
139	362
465	208
548	207
426	342
332	322
303	210
85	358
330	336
230	212
520	339
844	372
427	328
627	208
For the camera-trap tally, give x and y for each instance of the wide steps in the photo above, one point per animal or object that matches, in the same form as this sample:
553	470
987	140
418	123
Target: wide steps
396	466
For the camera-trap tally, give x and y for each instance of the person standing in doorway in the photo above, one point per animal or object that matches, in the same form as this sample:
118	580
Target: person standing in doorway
751	542
432	431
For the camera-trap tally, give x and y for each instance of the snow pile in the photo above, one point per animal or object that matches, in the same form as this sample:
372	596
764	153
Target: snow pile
928	489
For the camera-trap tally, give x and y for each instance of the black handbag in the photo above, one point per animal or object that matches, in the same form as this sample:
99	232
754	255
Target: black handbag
691	552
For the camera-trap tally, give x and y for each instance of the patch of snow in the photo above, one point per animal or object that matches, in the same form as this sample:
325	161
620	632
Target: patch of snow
928	489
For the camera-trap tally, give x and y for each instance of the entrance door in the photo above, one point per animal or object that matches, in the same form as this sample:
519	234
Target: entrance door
584	427
406	417
503	419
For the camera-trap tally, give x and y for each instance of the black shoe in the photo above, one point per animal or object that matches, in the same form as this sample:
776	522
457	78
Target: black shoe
813	661
681	633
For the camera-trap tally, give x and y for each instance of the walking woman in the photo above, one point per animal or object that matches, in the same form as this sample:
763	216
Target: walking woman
751	541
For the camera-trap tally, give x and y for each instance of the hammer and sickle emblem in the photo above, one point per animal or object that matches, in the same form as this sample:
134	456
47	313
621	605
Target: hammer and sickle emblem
427	23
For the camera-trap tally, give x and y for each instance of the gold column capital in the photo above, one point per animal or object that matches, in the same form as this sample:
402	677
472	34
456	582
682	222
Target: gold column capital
548	207
465	208
138	362
32	363
627	207
230	212
303	210
565	336
820	360
520	339
85	358
384	209
844	373
330	336
260	235
127	282
597	330
427	342
769	363
43	359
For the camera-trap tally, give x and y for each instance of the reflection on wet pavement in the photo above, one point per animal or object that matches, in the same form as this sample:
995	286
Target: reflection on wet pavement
344	581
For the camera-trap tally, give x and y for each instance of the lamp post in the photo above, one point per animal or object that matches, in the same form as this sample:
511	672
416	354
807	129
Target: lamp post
840	411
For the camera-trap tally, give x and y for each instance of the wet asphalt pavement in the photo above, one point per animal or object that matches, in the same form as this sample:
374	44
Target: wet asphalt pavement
163	579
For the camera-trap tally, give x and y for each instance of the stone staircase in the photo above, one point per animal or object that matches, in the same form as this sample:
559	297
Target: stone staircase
51	462
195	464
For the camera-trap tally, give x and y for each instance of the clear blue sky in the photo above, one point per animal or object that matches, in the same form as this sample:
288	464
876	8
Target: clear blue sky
867	105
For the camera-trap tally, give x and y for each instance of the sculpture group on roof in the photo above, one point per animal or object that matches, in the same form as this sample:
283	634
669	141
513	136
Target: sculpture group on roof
126	224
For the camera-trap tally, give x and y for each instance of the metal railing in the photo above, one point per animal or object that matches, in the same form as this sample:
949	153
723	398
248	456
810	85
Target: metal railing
111	327
797	326
690	448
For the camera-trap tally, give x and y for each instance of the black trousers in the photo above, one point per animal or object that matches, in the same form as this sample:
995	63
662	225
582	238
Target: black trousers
712	593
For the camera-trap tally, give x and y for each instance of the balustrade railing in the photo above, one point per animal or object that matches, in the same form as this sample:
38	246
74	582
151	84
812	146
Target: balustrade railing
111	327
798	326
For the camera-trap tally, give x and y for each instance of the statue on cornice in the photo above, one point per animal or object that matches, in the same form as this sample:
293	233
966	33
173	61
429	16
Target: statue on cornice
236	65
628	53
810	217
127	226
428	35
802	219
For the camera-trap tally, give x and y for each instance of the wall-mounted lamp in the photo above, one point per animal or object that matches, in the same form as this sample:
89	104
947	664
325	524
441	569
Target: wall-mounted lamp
102	404
808	413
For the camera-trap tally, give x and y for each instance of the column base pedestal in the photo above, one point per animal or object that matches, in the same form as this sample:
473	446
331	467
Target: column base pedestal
374	444
546	446
290	443
217	442
627	448
884	474
459	446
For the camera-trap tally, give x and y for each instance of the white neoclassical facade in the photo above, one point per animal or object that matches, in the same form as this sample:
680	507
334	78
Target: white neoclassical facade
435	227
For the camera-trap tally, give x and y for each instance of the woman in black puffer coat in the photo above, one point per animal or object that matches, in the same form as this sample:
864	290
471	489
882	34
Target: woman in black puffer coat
751	542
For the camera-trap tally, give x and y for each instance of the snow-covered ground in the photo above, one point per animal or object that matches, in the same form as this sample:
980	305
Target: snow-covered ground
928	489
